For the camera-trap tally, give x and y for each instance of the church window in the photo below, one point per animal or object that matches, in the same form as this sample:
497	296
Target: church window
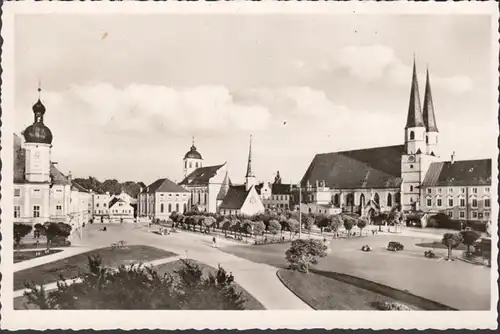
487	203
169	207
17	192
450	202
36	211
389	200
439	202
310	210
474	203
429	202
412	135
17	211
162	208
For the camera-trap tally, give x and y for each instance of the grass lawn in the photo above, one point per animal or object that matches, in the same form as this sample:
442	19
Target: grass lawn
438	244
250	302
28	255
72	266
323	293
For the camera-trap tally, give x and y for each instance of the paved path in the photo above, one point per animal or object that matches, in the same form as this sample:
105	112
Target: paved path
260	280
67	252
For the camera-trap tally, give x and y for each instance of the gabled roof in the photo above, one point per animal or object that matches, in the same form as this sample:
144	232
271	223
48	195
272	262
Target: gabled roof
235	197
459	173
378	167
78	187
200	176
117	200
57	177
164	186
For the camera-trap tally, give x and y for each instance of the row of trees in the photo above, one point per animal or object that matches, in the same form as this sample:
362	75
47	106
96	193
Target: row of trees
453	240
51	231
113	186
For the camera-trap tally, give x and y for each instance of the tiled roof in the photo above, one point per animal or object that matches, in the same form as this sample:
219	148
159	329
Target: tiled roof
235	197
78	187
415	117
378	167
165	186
201	176
57	177
459	173
226	184
114	201
280	189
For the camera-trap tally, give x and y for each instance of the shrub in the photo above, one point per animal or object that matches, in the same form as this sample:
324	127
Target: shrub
258	228
335	222
303	253
102	288
20	231
362	224
469	238
274	226
451	240
54	230
390	306
349	223
395	246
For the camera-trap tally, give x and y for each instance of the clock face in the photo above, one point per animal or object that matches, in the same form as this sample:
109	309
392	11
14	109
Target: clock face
411	158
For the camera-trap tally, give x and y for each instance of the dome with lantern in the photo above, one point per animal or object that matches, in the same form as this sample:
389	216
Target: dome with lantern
38	132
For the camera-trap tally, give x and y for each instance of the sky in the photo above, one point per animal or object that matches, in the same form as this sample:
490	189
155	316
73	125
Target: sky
125	93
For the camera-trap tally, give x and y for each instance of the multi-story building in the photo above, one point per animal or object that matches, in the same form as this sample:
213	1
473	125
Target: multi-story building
161	198
408	176
42	193
100	205
276	195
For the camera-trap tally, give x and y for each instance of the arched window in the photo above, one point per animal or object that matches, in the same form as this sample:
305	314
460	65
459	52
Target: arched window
336	199
176	207
184	209
161	207
205	200
376	198
389	200
427	139
196	165
169	207
412	135
190	164
362	200
185	164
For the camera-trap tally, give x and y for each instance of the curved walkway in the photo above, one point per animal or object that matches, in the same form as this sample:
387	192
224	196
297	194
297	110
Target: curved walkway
258	279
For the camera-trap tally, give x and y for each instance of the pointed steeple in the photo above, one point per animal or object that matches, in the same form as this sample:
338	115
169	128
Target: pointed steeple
415	117
428	114
249	166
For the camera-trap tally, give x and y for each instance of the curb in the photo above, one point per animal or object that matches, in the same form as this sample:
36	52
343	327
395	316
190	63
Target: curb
296	295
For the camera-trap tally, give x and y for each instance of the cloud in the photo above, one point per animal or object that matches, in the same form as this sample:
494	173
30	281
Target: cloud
372	62
141	108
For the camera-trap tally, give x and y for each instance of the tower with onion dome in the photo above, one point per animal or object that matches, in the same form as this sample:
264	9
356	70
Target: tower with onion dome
38	144
192	160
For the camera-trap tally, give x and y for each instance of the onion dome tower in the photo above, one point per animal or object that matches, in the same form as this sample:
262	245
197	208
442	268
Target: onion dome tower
38	144
192	160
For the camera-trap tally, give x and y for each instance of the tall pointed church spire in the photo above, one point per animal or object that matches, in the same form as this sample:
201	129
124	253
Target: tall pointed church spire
428	113
415	118
249	165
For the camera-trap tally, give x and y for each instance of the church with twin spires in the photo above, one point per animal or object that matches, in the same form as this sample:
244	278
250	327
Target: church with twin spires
412	176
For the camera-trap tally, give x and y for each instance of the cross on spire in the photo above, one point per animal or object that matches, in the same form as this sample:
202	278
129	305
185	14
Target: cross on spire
39	87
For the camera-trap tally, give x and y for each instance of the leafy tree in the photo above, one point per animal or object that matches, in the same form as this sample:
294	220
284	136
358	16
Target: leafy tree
236	226
469	238
335	222
209	222
307	222
53	230
283	222
247	227
102	288
274	227
304	252
258	228
348	223
293	226
20	231
362	222
226	226
451	240
322	221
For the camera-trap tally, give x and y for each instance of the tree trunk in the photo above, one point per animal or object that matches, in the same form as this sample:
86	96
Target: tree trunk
449	253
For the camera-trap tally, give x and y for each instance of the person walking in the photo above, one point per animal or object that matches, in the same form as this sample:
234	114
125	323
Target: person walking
214	240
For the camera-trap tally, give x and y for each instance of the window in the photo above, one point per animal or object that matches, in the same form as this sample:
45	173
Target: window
185	164
487	215
462	190
161	207
474	214
450	214
429	190
429	202
487	190
169	207
427	139
97	205
176	207
412	135
462	214
487	203
196	165
462	202
450	190
450	202
411	166
59	208
17	211
474	190
104	204
439	190
411	188
474	203
190	164
17	192
439	202
36	211
184	209
205	198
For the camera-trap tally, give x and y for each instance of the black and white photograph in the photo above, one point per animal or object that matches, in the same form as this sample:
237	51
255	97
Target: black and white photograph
161	158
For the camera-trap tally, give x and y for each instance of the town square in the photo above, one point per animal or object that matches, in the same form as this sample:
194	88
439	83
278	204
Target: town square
253	162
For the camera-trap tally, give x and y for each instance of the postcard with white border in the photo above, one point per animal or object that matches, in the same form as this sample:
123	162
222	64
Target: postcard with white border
171	165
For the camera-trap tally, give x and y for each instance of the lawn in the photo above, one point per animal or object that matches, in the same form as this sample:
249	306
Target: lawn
324	293
72	266
250	302
439	245
28	255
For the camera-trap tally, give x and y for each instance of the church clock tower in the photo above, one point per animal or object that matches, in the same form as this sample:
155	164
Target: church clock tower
192	160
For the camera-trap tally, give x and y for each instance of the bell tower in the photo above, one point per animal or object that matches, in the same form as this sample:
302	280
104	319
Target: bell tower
192	160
